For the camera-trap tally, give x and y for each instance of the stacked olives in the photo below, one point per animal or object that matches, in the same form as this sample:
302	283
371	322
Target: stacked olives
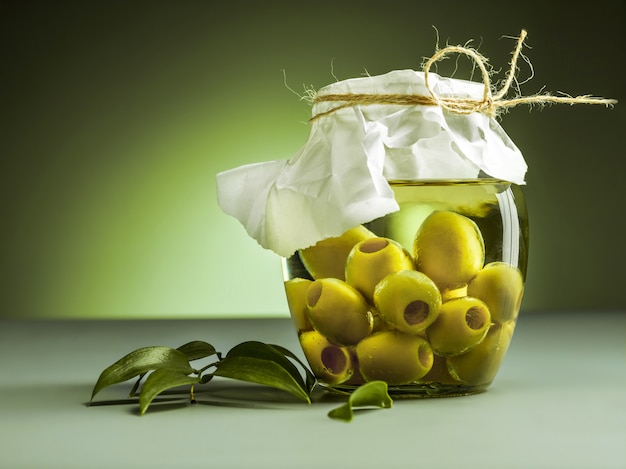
371	310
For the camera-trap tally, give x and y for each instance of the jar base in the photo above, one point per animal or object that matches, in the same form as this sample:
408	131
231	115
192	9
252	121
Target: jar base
416	391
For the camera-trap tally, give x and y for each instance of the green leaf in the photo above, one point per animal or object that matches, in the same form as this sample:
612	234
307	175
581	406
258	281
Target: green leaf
206	378
261	371
194	350
197	349
310	377
254	349
161	380
140	361
372	394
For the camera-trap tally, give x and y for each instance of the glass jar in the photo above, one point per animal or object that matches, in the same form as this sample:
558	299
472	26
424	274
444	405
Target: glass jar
425	298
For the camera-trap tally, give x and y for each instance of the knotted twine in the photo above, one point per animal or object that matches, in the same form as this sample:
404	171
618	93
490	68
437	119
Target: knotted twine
489	104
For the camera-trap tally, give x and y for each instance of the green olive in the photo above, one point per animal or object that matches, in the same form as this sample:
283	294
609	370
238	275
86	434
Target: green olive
480	365
449	248
295	290
338	311
394	357
330	363
462	323
328	257
501	287
407	300
372	260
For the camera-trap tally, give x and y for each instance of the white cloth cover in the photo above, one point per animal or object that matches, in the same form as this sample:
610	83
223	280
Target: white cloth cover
339	178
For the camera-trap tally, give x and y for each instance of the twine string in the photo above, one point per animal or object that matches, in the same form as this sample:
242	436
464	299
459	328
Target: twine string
488	104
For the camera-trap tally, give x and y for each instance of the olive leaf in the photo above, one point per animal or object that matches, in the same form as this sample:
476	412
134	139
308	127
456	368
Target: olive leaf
372	394
261	371
255	349
160	380
198	349
141	361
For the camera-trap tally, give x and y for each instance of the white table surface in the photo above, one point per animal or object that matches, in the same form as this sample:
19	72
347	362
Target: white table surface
559	401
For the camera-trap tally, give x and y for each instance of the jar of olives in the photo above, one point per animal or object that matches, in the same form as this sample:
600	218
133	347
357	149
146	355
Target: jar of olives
425	298
403	233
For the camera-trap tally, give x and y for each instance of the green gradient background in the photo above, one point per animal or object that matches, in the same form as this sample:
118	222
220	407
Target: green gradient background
116	116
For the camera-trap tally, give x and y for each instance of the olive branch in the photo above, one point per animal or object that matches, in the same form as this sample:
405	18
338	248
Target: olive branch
157	369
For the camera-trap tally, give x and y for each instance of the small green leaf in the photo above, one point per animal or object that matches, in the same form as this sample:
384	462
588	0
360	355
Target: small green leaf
343	412
140	361
372	394
261	371
197	349
161	380
254	349
206	378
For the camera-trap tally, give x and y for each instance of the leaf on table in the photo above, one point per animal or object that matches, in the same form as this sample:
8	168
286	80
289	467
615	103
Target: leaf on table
161	380
261	371
254	349
372	394
197	349
141	361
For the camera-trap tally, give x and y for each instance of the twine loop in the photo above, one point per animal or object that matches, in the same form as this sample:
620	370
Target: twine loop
489	104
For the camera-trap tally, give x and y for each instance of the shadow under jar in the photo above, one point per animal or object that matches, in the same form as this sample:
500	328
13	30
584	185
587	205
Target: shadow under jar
425	298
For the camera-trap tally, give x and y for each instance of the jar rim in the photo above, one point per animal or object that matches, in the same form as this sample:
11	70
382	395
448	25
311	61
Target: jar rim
448	182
